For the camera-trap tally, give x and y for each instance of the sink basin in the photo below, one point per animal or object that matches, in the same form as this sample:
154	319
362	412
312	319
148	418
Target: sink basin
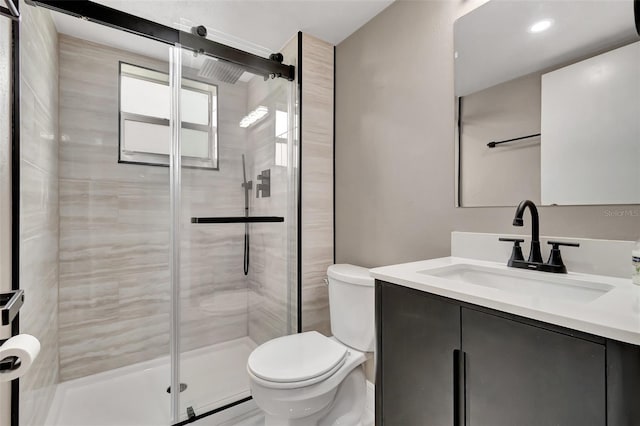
538	284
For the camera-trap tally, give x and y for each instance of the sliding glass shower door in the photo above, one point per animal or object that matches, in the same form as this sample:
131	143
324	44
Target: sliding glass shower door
236	226
158	220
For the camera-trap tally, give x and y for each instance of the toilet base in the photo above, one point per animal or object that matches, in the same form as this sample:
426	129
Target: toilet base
346	409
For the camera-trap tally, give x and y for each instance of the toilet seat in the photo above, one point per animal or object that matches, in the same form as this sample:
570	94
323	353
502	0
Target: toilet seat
296	361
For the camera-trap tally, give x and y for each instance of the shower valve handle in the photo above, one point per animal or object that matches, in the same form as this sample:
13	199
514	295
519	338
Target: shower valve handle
264	187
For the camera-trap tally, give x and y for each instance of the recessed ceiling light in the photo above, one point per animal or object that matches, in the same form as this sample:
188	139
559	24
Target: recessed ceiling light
540	26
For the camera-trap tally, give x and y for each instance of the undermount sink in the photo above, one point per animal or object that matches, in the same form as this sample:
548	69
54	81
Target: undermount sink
538	284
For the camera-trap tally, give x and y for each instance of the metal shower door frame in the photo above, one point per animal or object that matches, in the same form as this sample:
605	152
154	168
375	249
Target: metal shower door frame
114	18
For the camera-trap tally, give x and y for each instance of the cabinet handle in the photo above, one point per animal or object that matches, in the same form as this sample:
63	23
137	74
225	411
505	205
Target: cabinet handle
459	370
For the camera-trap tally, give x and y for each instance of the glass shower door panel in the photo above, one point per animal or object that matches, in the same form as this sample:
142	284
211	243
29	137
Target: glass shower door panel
95	226
235	287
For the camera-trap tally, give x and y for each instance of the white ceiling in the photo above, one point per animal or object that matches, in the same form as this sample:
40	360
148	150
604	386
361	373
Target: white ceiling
493	43
258	26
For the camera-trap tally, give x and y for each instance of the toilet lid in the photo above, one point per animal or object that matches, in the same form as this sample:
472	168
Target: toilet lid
296	357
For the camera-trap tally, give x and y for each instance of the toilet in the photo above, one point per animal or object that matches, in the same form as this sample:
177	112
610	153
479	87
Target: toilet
308	379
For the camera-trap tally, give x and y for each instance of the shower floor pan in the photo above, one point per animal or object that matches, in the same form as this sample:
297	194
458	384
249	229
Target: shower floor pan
136	395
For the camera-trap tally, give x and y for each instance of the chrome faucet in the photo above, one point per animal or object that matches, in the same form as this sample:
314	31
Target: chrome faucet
554	264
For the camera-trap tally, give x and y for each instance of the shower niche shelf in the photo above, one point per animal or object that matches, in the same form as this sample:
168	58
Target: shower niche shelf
238	219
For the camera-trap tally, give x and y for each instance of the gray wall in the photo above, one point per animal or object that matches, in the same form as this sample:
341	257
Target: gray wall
395	150
39	207
504	111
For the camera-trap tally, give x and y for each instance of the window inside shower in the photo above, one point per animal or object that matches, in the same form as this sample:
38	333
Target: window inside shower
144	107
147	288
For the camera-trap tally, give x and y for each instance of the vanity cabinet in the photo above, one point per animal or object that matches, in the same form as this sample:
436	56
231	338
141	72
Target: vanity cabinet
420	334
520	374
443	362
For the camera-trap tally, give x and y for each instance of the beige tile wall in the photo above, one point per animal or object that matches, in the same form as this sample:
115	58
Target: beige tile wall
317	180
114	228
39	207
268	316
268	272
114	290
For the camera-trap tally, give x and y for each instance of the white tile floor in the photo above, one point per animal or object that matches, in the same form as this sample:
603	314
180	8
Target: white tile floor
137	395
253	417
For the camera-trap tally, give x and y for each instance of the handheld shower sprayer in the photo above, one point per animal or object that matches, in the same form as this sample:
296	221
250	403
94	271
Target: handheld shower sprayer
247	187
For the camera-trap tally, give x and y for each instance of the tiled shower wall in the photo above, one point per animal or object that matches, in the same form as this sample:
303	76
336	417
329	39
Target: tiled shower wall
272	256
268	293
114	227
317	181
39	207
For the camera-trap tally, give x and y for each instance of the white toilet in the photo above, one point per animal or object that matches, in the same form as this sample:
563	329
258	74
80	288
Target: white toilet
308	379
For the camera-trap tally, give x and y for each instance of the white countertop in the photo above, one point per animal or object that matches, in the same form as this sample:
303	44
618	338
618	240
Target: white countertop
614	315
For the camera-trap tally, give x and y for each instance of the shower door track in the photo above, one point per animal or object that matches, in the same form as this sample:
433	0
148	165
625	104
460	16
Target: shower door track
123	21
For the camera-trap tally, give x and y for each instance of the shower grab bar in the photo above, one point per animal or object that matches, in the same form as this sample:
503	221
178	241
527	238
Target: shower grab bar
238	219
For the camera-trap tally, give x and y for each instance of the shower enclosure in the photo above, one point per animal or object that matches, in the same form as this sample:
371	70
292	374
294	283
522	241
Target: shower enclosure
173	167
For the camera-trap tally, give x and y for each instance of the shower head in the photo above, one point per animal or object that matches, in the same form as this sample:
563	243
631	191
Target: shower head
220	70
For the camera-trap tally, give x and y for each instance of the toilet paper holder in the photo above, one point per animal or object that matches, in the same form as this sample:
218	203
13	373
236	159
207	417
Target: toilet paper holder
10	363
10	304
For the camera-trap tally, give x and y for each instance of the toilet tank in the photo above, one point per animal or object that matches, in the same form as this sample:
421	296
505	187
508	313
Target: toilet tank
352	306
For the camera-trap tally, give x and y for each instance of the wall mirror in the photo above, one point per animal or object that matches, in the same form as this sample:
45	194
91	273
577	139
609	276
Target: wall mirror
548	103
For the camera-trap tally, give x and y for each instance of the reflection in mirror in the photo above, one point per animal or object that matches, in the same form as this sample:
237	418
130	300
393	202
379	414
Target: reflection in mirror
548	97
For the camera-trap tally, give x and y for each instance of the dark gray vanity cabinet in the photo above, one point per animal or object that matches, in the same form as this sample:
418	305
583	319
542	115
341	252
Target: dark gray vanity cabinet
420	334
520	374
441	362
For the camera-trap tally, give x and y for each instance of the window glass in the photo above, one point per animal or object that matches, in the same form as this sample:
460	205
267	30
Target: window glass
195	107
145	135
144	97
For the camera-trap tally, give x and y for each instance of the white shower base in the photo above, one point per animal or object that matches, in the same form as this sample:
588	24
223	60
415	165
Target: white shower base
136	395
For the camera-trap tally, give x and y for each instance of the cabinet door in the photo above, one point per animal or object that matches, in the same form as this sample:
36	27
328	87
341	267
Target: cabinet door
519	374
417	336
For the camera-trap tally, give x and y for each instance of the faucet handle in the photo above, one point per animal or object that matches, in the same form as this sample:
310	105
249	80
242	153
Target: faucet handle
516	241
557	244
555	257
516	253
